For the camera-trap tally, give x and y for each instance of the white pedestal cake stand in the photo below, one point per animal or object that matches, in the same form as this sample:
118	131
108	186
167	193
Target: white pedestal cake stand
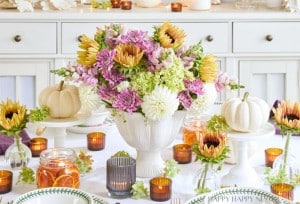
242	174
60	126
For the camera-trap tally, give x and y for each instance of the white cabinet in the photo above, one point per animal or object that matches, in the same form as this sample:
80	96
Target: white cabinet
270	79
23	80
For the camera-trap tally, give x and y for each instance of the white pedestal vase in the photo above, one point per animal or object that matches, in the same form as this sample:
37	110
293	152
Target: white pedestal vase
149	138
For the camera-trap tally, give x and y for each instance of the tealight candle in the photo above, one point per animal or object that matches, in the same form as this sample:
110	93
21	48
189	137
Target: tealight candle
283	190
115	3
271	154
96	141
37	145
160	188
176	7
182	153
126	5
5	181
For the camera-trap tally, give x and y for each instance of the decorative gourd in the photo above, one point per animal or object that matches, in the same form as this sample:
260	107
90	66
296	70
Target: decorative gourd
247	114
62	100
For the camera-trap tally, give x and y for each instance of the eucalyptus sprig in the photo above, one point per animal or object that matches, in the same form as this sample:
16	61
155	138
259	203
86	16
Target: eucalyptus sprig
26	175
139	190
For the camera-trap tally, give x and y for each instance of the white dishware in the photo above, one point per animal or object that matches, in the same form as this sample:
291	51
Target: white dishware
57	195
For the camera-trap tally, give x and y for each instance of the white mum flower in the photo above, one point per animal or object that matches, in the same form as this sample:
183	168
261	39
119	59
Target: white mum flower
89	98
160	104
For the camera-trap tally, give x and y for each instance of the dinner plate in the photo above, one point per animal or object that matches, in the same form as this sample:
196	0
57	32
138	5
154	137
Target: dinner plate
98	200
108	123
238	195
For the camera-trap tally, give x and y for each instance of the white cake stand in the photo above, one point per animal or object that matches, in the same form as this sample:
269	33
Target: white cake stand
60	126
242	174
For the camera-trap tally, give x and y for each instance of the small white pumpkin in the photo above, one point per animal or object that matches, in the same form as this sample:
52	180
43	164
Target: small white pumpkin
62	100
247	114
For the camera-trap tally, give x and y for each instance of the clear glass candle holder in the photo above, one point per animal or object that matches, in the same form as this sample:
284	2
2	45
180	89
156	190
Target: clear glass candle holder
283	190
6	178
37	145
160	189
96	141
271	154
182	153
120	176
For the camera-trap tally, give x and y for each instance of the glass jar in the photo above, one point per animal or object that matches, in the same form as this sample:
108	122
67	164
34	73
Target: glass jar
58	169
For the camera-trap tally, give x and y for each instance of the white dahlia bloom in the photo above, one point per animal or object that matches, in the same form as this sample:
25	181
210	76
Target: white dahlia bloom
89	98
160	104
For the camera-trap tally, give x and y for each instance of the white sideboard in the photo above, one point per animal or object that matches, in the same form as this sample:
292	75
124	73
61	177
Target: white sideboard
260	47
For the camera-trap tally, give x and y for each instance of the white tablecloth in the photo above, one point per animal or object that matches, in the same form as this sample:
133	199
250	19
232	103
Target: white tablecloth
95	181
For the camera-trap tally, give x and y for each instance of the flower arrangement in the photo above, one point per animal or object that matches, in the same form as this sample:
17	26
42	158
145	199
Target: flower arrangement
14	117
286	115
151	74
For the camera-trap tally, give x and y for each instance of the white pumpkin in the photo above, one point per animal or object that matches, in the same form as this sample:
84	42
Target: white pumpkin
62	100
247	114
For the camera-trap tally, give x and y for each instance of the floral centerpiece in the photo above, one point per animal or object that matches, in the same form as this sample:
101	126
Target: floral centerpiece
286	115
149	78
13	119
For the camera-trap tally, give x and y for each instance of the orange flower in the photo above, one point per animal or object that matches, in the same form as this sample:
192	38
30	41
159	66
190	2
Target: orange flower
128	55
170	36
208	69
90	49
287	116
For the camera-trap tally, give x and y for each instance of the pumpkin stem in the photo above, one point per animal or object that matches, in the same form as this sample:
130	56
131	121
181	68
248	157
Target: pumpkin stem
246	94
61	85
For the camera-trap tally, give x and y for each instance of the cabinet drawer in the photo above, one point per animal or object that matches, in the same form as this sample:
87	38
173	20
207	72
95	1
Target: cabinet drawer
22	38
214	36
259	37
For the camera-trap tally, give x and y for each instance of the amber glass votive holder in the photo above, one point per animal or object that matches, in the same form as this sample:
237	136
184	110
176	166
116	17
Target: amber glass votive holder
115	3
96	141
120	176
283	190
182	153
160	189
5	181
37	145
176	7
126	5
271	154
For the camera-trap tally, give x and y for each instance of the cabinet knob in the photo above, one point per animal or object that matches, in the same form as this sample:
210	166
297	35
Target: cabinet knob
17	38
269	38
79	38
209	38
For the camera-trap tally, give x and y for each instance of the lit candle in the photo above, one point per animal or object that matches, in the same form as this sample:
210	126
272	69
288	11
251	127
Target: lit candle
176	7
271	154
126	5
160	188
5	181
283	190
37	145
182	153
115	3
96	141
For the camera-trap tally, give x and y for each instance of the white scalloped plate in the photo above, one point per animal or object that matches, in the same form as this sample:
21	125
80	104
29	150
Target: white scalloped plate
238	195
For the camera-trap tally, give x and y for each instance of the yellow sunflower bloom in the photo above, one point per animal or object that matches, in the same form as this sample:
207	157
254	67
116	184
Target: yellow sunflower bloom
208	69
12	116
128	55
170	36
211	144
90	49
287	115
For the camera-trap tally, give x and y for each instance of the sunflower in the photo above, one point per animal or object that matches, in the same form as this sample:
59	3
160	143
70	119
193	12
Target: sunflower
170	36
90	49
208	69
128	55
12	117
287	116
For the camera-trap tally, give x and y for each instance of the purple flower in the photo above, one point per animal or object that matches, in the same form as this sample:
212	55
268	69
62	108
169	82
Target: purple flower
107	93
195	86
127	100
87	75
136	37
222	81
185	99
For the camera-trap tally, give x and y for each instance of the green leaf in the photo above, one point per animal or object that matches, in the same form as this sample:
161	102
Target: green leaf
171	169
84	162
26	175
139	190
121	153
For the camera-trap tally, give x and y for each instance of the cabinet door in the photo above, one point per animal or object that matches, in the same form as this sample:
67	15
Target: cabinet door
24	80
270	80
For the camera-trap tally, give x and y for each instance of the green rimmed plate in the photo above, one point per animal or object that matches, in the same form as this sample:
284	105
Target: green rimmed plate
238	195
57	195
